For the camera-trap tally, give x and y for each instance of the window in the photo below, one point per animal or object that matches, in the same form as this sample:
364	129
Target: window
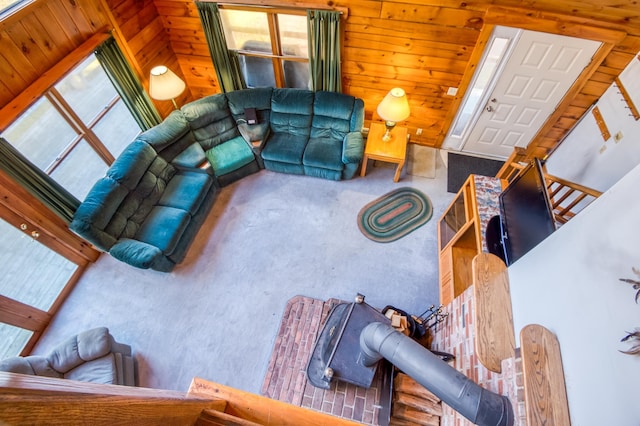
272	46
76	130
9	6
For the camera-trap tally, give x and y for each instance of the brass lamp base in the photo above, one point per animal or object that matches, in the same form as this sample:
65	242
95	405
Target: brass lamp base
387	135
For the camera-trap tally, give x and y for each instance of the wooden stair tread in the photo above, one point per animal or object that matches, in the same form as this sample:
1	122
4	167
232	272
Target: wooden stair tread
495	337
544	386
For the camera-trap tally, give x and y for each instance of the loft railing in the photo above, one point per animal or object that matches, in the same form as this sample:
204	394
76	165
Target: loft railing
567	198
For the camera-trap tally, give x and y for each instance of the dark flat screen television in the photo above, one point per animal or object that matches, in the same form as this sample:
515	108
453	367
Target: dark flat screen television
526	217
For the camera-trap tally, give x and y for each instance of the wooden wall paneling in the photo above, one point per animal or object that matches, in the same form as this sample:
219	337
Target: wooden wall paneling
88	16
201	75
48	34
65	22
441	16
32	52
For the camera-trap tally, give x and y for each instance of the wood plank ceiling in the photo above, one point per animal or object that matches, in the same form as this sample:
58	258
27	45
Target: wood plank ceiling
422	46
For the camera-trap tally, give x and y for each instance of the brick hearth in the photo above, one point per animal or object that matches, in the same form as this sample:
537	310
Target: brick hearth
286	378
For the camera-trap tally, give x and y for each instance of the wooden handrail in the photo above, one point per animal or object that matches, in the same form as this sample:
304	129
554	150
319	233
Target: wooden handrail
566	196
513	164
50	401
262	410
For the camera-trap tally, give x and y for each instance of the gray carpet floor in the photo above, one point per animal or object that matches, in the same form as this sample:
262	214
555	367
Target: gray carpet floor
268	238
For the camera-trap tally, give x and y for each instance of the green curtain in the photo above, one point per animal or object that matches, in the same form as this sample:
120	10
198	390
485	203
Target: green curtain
324	50
127	84
37	182
225	61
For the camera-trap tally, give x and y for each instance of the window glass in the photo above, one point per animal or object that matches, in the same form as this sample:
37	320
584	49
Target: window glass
7	6
88	77
80	170
41	134
14	340
485	75
246	30
296	75
258	72
293	35
117	129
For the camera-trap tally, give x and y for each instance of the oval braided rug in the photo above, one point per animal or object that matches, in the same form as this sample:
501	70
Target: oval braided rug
394	215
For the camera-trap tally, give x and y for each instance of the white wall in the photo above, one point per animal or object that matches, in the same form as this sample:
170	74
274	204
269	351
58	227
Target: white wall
569	284
579	158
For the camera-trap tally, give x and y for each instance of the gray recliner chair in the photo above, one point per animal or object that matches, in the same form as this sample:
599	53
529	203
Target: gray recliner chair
91	356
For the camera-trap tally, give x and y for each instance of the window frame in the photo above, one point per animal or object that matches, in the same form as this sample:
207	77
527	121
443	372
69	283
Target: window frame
277	57
14	8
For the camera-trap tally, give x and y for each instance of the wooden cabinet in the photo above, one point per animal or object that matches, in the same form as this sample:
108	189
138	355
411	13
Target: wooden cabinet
461	231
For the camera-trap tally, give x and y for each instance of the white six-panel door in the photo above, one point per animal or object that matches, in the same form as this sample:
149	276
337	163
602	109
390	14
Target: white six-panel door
539	72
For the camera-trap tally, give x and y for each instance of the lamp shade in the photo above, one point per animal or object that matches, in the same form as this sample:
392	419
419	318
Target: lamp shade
164	84
395	106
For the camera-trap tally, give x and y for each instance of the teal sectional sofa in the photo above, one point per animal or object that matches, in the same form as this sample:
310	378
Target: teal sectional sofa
155	196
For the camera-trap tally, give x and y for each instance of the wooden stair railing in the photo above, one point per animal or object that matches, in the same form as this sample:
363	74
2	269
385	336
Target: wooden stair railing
38	400
248	409
512	166
566	196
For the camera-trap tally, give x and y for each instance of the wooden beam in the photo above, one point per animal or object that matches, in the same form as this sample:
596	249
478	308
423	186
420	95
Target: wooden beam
21	315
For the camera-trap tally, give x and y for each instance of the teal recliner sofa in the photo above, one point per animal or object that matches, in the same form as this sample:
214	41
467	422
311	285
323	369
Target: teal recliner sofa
156	195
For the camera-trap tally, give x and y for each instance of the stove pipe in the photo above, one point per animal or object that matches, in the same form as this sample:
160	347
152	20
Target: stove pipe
480	406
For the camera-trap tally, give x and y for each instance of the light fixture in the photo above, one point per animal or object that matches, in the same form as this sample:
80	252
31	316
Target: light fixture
165	85
393	108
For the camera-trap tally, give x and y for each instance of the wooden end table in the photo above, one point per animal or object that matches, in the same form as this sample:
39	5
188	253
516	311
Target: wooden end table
393	151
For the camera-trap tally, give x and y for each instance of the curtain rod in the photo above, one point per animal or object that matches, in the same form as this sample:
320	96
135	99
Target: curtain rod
342	10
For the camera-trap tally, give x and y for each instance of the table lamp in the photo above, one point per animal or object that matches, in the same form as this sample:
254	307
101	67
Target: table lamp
164	85
393	108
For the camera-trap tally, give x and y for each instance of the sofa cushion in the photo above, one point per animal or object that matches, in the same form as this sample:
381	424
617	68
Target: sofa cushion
285	147
163	228
325	153
96	212
186	191
101	370
171	137
258	98
131	165
210	120
192	156
291	111
230	155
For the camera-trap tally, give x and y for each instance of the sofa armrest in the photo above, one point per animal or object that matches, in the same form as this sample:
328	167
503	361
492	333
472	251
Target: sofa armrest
352	147
136	253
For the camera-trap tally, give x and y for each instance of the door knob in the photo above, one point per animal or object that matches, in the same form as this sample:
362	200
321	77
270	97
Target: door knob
35	234
489	108
23	226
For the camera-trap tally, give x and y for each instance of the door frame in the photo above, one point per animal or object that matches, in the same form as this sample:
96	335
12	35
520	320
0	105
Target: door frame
550	23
